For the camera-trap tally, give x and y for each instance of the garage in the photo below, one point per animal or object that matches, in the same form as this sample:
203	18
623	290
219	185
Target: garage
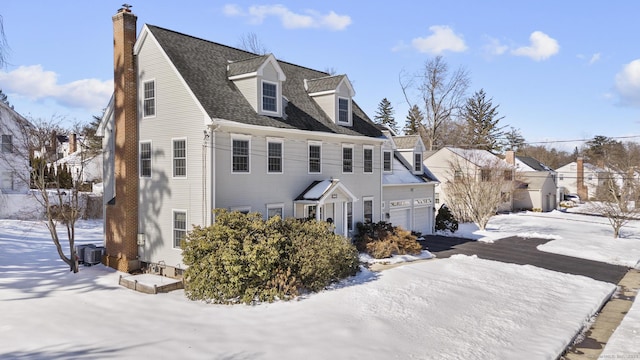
401	218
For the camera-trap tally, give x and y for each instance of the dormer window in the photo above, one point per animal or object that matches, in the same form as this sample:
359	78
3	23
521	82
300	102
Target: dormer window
417	162
269	97
343	110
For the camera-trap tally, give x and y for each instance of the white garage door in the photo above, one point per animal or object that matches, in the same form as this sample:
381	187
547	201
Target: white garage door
401	217
422	222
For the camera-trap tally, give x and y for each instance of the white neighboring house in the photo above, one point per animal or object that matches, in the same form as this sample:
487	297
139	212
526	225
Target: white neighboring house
80	160
14	164
592	177
408	186
537	187
211	126
471	161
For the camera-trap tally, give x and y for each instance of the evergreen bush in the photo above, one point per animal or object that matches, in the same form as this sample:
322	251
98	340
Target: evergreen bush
445	221
243	258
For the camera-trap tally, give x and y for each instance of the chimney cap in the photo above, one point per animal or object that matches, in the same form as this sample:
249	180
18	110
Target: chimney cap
126	8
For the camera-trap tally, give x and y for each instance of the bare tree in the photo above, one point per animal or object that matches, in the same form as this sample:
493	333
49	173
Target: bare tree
3	44
250	42
442	95
34	143
478	185
617	201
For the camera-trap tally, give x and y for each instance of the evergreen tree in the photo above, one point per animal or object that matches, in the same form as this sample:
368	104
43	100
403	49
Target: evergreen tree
414	119
514	140
384	115
4	99
482	130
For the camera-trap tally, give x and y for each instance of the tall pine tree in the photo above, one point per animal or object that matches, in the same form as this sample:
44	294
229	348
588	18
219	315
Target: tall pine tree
414	120
481	123
384	115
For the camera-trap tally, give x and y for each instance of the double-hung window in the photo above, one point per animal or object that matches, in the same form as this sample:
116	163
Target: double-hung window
417	162
315	157
240	155
179	227
7	144
275	210
343	110
367	210
149	100
145	159
368	160
347	158
274	156
269	97
179	158
387	161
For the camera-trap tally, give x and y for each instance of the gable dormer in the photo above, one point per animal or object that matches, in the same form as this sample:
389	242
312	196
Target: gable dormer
260	80
411	149
334	95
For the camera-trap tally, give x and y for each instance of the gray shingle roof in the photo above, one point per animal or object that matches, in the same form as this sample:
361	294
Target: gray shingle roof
406	141
326	83
533	163
203	65
246	66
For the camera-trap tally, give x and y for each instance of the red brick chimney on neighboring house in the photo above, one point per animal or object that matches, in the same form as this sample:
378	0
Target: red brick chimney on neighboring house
581	188
121	216
72	143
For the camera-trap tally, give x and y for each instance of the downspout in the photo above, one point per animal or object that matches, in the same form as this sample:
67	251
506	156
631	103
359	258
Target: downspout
212	181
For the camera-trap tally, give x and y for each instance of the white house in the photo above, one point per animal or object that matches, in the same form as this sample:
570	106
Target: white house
581	178
195	125
537	183
408	186
444	162
14	164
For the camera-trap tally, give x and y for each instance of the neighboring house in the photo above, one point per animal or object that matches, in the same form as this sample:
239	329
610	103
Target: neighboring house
81	160
14	165
209	126
408	186
581	178
480	162
537	183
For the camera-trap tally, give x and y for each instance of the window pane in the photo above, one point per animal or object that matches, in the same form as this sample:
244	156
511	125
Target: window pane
314	158
149	106
347	159
275	157
368	160
350	216
368	211
145	159
271	212
179	227
269	97
343	110
240	156
417	162
7	144
179	158
387	161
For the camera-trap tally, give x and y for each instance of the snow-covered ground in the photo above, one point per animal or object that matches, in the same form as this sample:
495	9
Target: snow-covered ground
462	307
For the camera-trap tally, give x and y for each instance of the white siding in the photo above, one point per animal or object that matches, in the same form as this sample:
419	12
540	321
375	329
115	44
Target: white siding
249	88
177	116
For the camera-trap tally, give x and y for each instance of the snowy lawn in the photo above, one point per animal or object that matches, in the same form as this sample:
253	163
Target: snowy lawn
571	234
457	308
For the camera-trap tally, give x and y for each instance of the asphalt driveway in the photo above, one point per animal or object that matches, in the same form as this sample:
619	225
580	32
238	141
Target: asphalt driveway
523	251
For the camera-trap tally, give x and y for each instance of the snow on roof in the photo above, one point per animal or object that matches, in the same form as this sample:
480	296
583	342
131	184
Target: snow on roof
316	191
400	175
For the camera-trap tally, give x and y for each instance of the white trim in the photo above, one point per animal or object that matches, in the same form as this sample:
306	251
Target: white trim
242	76
281	142
373	213
353	157
413	165
278	98
275	206
390	152
173	158
309	144
241	137
321	93
364	148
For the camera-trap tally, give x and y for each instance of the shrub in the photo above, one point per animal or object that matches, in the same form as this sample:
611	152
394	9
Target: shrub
445	221
243	258
383	240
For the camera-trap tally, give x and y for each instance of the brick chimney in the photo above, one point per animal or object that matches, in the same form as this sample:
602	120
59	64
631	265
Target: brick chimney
510	157
121	216
72	143
582	189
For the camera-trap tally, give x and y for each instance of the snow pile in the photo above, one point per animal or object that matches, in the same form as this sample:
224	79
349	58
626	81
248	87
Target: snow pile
396	259
462	307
